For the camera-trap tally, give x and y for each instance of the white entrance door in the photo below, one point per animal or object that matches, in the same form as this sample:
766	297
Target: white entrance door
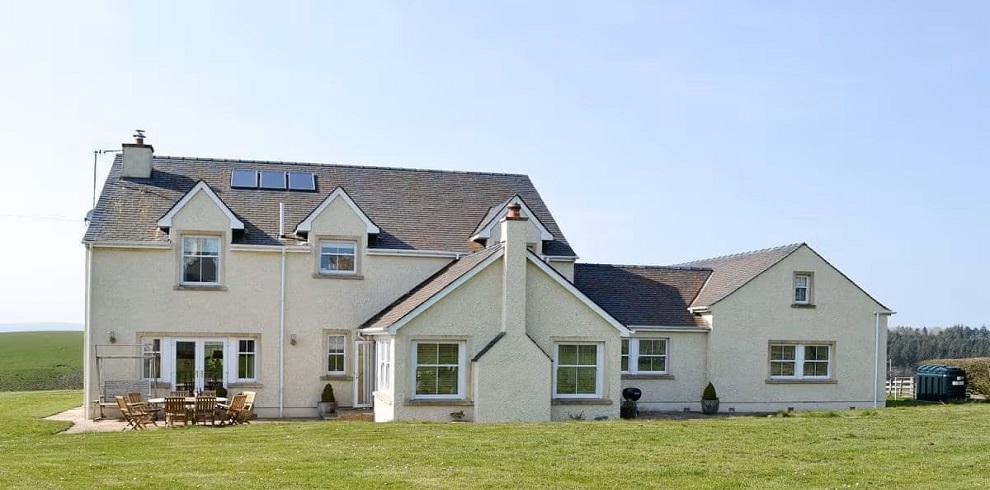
199	364
364	373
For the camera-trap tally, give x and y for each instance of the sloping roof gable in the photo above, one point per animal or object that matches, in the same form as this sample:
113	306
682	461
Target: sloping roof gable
165	221
339	193
432	290
643	295
731	272
496	213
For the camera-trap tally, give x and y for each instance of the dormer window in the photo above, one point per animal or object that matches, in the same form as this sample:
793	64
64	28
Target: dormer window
201	260
338	257
802	288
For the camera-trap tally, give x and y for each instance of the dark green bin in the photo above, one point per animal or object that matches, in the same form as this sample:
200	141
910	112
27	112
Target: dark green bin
938	382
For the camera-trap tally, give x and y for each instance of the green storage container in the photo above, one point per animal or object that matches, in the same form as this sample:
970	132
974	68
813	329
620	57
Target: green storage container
938	382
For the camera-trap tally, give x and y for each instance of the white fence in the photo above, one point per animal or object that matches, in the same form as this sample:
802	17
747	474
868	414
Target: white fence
900	387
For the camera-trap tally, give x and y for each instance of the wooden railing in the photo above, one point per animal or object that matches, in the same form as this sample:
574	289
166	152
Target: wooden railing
900	387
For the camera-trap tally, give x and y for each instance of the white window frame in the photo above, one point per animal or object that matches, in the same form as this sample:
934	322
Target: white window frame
599	374
808	288
461	370
182	260
155	361
237	360
331	241
633	354
627	356
383	350
799	360
342	354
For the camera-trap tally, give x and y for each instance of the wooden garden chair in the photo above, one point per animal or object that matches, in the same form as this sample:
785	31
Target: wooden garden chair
244	417
205	408
175	409
229	414
136	400
136	419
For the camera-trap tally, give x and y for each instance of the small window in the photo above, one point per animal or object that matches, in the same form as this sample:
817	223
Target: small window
800	361
272	180
246	359
152	351
335	354
625	355
299	181
578	371
247	179
438	372
383	352
337	257
802	288
201	260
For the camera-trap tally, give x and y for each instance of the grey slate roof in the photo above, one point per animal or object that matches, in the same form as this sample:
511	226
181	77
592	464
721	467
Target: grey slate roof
428	288
643	295
416	209
730	272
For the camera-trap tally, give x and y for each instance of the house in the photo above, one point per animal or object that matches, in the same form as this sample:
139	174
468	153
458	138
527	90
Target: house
421	293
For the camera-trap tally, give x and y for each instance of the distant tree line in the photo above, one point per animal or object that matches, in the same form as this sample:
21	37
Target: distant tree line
907	347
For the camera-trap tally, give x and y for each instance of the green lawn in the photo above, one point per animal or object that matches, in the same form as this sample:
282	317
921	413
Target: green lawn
935	446
40	360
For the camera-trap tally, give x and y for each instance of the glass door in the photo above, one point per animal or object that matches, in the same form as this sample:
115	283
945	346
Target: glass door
199	365
364	373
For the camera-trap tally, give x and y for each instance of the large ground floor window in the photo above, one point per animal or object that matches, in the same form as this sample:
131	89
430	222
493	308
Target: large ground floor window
645	356
200	363
812	360
578	370
438	369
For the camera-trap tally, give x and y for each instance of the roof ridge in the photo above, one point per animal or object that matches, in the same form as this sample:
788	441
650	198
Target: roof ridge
741	254
651	267
344	165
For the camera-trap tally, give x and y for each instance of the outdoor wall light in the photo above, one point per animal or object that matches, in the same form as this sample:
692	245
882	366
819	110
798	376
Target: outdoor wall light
292	339
113	336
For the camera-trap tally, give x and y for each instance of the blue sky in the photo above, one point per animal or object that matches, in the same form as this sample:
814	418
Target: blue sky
657	132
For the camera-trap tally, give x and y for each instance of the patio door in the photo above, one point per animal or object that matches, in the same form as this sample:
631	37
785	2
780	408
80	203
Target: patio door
199	364
364	373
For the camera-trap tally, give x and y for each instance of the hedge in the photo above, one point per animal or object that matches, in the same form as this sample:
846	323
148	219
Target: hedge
977	372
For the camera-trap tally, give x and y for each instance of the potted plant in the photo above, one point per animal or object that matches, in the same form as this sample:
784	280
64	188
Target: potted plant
328	403
709	400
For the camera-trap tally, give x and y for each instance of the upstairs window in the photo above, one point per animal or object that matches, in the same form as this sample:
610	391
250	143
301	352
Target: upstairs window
337	257
201	260
802	288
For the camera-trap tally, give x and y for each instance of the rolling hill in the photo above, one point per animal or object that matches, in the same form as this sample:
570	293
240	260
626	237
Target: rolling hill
41	361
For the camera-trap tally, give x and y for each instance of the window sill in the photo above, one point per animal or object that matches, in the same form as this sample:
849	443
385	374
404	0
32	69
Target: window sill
647	376
356	277
426	402
336	377
192	287
581	401
800	381
246	384
803	305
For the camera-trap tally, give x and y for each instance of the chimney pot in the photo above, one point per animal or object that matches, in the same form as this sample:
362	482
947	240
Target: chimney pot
514	211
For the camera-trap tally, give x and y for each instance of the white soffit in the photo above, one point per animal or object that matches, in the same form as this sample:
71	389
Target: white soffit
307	224
166	221
485	229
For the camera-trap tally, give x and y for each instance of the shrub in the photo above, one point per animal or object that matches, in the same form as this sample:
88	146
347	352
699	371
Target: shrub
977	372
709	393
327	395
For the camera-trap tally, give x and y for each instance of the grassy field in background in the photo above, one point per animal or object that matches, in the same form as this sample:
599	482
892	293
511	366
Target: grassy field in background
41	361
932	446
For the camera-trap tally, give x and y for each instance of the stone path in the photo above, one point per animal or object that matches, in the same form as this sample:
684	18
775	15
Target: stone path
81	424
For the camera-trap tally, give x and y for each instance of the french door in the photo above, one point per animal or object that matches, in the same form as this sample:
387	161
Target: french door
364	373
199	364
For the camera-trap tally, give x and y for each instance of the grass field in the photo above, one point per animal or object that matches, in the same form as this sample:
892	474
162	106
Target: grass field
934	446
41	361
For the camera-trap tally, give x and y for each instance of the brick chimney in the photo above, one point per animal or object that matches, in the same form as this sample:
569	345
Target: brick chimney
514	229
136	159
